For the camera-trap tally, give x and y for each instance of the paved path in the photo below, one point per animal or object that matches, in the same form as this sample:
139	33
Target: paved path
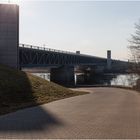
104	113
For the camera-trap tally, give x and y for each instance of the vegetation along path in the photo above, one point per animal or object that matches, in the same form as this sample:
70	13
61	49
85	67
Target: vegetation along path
104	113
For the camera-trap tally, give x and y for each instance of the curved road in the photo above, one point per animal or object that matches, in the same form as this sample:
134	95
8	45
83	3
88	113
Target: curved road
104	113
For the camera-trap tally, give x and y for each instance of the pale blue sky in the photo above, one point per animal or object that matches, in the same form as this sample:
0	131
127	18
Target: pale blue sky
91	27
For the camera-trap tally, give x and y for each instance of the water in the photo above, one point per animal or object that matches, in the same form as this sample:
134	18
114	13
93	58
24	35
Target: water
45	76
128	80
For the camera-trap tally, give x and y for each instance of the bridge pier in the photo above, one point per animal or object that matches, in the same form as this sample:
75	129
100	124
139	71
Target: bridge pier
63	76
9	38
109	60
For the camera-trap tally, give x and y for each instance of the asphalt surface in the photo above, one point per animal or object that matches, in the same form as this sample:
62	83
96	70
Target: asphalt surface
105	113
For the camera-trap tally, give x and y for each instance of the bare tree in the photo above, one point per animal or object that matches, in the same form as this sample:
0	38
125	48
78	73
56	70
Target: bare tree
134	46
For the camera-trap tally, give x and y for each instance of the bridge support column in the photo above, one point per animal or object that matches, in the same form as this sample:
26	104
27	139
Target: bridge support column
108	59
9	35
63	76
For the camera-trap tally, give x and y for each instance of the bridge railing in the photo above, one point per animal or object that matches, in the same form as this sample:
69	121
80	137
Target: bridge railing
45	49
58	51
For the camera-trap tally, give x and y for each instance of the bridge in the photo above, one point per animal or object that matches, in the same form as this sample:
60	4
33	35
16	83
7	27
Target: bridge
62	64
35	56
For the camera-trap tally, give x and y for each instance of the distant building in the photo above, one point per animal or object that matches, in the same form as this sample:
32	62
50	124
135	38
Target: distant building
9	34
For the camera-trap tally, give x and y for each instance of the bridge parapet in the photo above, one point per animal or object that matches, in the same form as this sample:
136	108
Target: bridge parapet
44	48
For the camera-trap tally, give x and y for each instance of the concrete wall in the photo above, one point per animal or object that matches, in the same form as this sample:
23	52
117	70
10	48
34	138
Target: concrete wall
9	34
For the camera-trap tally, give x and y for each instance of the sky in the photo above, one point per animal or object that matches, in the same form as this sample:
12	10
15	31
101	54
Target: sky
92	27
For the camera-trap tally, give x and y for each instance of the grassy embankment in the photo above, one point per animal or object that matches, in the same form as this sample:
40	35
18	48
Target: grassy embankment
19	90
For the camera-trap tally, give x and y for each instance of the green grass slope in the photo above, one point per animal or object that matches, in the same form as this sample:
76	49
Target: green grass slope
19	90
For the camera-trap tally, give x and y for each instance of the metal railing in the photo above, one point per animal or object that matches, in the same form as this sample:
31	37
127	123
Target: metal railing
44	48
58	51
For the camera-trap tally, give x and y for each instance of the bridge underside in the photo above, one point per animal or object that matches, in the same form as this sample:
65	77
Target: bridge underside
63	75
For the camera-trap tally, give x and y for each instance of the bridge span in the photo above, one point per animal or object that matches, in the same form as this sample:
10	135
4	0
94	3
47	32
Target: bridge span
35	56
62	64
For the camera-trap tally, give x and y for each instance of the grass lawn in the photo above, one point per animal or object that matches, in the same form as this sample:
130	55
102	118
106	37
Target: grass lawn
20	90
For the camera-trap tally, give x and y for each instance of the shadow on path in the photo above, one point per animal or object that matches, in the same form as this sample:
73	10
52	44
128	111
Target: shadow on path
32	119
19	90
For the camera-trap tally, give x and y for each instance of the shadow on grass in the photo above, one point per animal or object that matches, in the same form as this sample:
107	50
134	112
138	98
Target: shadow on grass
18	91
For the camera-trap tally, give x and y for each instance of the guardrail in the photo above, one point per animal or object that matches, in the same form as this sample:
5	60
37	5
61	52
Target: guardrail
59	51
45	49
